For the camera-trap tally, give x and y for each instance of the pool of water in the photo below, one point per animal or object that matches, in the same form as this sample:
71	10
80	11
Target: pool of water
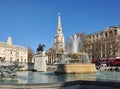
28	77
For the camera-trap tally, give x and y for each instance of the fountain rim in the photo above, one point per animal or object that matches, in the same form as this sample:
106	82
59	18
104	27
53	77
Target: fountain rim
62	84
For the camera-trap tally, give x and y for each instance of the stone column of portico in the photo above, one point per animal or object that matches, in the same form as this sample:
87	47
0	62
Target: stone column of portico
51	59
47	60
54	57
101	51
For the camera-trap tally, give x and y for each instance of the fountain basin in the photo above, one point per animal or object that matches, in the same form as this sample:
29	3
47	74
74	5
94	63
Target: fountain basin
76	68
49	80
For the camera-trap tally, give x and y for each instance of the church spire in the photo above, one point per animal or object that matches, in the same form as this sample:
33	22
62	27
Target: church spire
59	37
59	22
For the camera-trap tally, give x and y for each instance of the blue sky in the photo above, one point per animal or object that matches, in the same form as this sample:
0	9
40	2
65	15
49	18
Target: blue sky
30	22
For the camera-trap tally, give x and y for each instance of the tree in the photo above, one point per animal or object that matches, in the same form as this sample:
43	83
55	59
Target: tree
40	48
30	55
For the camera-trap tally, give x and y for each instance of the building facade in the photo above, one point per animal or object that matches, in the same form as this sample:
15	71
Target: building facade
10	52
104	44
55	53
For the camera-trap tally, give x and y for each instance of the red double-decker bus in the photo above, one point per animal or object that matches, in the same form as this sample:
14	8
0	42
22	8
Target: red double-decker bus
107	61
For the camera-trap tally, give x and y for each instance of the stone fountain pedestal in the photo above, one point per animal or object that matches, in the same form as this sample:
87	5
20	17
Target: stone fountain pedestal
76	63
76	68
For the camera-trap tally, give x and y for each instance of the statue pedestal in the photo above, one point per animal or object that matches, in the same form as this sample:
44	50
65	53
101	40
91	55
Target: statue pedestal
40	63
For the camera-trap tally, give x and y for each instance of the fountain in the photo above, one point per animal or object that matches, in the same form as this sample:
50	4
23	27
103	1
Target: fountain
75	61
9	71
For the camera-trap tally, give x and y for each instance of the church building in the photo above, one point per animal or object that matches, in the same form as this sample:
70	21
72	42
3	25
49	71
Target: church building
55	53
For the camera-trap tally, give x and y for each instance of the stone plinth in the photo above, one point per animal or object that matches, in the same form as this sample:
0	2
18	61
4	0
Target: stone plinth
76	68
40	63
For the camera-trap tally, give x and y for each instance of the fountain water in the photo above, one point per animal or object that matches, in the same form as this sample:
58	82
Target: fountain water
76	43
74	50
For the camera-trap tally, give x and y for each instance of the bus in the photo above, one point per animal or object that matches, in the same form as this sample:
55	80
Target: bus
106	61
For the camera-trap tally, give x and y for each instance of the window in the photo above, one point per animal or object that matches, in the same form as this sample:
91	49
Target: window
11	52
105	34
25	60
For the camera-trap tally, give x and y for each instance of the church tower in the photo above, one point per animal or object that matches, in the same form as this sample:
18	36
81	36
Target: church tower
55	53
59	38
